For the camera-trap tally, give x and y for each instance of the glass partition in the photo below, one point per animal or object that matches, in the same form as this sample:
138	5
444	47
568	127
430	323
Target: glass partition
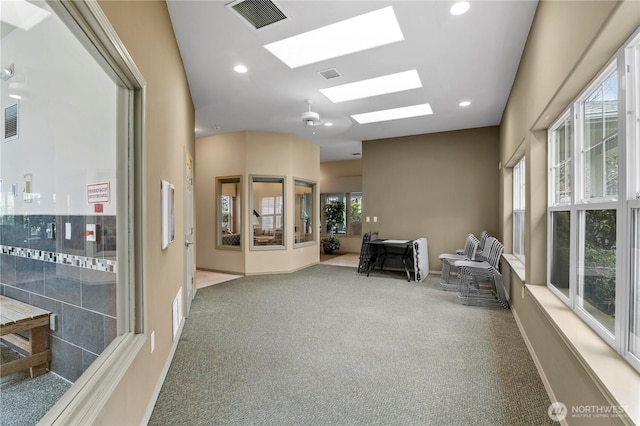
304	230
229	209
268	219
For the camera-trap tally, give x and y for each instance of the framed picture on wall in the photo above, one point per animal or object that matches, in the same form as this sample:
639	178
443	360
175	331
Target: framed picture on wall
168	214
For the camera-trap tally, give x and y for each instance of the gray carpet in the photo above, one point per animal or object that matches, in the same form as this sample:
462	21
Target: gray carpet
326	346
23	400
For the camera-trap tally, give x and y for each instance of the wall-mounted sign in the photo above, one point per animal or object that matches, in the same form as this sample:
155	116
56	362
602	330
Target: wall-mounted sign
98	193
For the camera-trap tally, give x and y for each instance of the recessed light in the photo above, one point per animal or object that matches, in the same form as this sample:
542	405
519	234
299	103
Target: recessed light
460	8
391	83
240	69
393	114
464	103
352	35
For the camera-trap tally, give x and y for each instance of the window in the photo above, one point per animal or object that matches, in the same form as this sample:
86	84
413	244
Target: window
519	209
352	220
229	212
305	200
594	205
354	217
98	285
599	115
268	222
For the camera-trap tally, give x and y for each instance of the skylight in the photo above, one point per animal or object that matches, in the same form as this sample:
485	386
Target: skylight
374	86
352	35
22	14
393	114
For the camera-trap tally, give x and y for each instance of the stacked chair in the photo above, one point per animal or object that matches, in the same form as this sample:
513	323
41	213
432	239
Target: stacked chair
480	282
448	260
368	253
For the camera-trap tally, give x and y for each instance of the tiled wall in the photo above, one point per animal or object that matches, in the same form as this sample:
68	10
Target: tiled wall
73	278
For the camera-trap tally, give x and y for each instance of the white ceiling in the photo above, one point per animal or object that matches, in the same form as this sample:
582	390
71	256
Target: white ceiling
472	57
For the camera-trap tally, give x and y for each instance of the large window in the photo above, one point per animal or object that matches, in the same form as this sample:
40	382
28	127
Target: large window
519	209
594	201
268	221
72	227
352	224
305	200
229	212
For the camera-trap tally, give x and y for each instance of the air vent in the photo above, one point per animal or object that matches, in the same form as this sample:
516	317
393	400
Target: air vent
259	13
10	123
330	73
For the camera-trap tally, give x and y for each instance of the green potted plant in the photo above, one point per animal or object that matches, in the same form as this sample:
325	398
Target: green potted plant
333	216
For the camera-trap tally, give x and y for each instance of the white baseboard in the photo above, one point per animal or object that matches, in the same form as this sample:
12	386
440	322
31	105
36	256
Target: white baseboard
163	375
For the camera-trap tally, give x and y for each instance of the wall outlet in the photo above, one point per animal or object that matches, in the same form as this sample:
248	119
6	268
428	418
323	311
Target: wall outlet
368	219
53	322
90	232
375	218
152	341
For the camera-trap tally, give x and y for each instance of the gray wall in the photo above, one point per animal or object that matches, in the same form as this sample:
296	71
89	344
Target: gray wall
441	186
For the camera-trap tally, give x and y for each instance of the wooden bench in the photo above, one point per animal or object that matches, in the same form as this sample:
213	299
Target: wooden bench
16	316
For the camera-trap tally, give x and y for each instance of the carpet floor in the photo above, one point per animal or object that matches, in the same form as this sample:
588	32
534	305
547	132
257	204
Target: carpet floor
327	346
23	400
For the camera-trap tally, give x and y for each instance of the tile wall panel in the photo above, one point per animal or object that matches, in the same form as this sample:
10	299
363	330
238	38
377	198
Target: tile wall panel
73	278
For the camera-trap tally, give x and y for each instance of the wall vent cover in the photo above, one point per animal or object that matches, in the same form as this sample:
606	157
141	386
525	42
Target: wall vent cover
330	73
10	121
259	13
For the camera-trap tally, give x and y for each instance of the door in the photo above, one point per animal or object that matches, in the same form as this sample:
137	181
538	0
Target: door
189	265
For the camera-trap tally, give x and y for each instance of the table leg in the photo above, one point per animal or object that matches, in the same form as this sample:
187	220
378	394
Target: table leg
38	344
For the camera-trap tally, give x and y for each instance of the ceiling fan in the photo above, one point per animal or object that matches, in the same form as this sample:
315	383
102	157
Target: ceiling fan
310	118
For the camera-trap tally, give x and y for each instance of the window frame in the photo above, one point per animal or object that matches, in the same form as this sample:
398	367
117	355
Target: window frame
282	180
220	180
313	226
85	399
519	209
626	63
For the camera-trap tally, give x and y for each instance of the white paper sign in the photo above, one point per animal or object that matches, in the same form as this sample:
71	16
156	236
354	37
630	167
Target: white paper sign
98	193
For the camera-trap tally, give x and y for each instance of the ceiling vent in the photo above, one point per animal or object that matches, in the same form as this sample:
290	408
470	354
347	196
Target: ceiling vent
259	13
330	73
10	128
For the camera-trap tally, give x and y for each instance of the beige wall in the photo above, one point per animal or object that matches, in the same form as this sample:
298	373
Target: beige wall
568	44
145	29
245	154
440	186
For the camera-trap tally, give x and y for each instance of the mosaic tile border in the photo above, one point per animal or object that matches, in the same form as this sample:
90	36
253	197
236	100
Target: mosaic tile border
61	258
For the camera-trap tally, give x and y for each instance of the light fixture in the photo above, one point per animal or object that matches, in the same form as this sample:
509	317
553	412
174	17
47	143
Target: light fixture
459	8
14	96
393	114
391	83
22	14
240	69
328	124
7	73
352	35
464	104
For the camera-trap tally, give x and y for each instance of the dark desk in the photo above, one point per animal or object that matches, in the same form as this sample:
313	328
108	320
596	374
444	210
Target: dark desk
405	252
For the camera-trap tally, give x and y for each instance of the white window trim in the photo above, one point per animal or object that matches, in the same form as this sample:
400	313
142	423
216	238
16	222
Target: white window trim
519	208
83	402
627	64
